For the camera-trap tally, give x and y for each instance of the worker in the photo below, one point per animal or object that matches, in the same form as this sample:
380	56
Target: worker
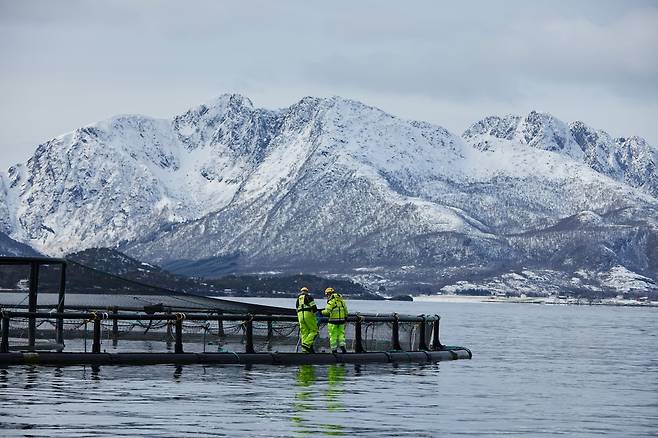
308	325
336	310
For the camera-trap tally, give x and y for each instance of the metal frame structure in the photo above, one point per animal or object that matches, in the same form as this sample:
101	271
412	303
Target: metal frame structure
428	349
35	263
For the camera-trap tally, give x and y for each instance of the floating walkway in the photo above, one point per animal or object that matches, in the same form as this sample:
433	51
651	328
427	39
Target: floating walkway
262	334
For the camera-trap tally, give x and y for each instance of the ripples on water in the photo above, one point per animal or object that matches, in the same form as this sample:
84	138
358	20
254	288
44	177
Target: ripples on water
536	371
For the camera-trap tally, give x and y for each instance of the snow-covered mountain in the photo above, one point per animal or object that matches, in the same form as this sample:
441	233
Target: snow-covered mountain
631	160
334	186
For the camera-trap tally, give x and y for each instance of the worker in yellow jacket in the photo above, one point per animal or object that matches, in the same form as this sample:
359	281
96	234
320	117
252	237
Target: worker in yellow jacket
336	310
308	324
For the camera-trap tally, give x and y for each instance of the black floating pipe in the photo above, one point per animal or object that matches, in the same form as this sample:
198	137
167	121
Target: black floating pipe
423	338
15	358
96	346
358	337
178	348
249	332
436	344
395	336
32	304
4	345
60	305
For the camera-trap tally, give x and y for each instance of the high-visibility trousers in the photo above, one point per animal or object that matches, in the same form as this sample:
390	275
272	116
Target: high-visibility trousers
336	335
308	329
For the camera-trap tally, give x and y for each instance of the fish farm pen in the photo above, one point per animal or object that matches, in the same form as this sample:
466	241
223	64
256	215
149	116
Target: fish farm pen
109	320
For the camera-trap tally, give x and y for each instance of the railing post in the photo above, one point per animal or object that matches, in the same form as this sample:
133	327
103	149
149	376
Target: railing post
4	345
436	344
220	325
96	346
115	326
178	348
270	331
60	306
249	332
358	339
423	339
395	336
32	304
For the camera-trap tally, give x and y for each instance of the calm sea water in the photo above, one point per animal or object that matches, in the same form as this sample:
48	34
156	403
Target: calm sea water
536	371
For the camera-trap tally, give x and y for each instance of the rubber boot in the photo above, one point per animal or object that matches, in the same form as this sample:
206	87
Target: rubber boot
334	351
343	350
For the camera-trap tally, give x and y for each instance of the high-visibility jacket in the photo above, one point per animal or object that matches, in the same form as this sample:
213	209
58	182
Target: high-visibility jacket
336	309
305	303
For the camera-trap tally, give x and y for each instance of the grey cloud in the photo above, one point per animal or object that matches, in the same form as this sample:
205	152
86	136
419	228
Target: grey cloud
620	56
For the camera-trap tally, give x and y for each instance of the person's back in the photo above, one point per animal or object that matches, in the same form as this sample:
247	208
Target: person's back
336	311
308	325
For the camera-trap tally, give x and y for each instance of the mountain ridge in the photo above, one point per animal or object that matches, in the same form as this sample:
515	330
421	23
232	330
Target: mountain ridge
333	185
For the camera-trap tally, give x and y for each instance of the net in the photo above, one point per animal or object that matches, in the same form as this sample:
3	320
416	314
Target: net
211	335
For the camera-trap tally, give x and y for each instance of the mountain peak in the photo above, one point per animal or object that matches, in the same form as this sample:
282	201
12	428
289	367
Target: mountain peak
229	100
627	159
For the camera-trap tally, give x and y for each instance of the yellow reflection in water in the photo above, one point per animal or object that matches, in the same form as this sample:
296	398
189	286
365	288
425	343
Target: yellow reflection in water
331	398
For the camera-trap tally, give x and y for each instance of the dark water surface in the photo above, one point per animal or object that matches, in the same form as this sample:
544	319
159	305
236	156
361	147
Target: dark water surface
536	371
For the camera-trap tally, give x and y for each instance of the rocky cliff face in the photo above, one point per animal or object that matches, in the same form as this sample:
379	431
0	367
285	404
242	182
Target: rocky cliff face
337	187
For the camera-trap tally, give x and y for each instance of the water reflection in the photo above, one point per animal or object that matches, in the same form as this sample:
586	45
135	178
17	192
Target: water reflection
31	377
95	373
306	377
335	379
311	401
178	372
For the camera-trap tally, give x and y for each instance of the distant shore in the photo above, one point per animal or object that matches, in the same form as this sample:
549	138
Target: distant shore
533	300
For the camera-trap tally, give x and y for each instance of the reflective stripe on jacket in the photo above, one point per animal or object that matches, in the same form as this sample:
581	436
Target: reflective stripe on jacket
336	309
305	303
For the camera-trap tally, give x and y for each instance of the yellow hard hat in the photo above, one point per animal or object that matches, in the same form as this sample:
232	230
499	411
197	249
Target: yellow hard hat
329	291
304	289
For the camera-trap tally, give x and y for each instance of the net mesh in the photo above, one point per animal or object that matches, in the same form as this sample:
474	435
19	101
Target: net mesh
210	335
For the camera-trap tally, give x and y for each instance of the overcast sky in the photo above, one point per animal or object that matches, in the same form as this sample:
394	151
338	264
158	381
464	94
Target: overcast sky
65	64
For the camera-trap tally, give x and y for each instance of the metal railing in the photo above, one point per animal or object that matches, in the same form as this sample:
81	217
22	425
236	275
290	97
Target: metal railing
427	326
